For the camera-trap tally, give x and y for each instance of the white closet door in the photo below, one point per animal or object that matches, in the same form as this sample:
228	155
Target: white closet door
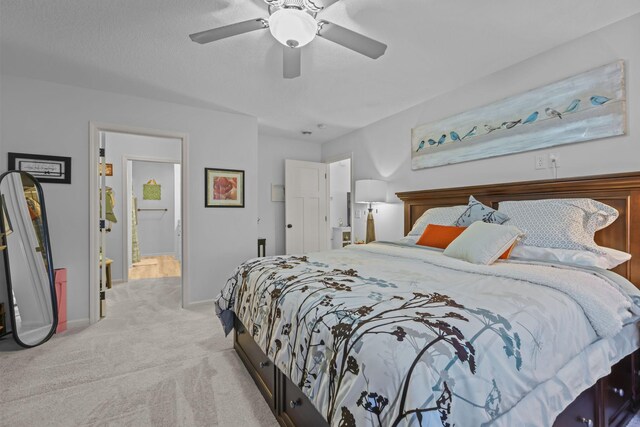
306	204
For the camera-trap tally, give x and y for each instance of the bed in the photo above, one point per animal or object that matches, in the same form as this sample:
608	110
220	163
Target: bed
398	335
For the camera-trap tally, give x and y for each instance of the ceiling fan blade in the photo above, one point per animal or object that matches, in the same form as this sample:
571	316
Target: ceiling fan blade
229	31
352	40
291	61
327	3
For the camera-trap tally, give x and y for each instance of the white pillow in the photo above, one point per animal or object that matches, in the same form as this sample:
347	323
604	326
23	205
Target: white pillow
438	216
483	243
611	259
560	223
409	240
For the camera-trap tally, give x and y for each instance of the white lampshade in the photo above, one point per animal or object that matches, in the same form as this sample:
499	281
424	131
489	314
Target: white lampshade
293	27
371	191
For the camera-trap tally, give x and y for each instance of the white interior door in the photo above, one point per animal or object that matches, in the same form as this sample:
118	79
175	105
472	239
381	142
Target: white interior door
306	204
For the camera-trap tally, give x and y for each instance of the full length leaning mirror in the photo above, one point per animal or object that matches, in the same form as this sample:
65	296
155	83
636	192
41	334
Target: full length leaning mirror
28	279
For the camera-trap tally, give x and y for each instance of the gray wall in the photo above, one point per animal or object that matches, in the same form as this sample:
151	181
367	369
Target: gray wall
48	118
382	150
156	229
119	146
272	152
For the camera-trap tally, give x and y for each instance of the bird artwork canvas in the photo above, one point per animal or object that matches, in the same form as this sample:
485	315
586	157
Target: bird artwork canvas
587	106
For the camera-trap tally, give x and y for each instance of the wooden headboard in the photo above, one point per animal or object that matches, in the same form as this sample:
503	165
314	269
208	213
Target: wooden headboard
621	191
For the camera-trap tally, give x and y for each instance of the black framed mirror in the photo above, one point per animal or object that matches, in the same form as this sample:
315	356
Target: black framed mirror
28	280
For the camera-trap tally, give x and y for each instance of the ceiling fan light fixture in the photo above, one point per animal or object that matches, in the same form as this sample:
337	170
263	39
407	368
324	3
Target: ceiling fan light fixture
293	27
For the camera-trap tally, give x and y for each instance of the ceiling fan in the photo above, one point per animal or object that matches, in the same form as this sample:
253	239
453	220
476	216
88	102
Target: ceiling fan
294	24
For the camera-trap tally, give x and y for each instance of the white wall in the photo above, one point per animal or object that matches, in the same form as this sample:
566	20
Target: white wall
47	118
382	150
156	229
120	145
272	152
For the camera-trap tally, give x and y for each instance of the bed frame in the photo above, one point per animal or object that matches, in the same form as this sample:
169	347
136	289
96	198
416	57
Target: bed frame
611	402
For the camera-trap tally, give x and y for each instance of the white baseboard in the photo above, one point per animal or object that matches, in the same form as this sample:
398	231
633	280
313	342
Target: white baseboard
199	303
78	323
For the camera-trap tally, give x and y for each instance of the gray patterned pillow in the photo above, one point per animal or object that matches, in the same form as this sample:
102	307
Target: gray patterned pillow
560	223
476	211
438	216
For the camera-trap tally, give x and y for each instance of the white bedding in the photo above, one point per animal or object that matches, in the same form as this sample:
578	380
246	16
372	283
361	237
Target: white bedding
386	334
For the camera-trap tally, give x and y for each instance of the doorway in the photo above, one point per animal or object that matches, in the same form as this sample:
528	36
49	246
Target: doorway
141	230
153	226
340	203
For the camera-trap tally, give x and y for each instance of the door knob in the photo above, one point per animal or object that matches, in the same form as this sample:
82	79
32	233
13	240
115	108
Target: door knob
289	226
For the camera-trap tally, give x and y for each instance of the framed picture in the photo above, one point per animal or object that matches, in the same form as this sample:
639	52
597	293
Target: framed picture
591	105
223	188
47	169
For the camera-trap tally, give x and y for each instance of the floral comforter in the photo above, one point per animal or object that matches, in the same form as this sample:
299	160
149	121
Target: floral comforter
391	335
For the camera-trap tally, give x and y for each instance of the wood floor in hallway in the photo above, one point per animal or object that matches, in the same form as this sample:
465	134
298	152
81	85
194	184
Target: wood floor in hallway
155	267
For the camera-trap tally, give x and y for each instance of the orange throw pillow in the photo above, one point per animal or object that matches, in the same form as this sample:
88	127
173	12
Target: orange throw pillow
507	253
441	236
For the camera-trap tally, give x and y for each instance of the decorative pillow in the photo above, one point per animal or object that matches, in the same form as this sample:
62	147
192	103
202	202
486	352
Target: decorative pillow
476	211
408	240
439	236
439	216
483	243
560	223
611	259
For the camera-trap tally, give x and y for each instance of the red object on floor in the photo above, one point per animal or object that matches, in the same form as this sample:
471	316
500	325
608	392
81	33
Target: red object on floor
60	279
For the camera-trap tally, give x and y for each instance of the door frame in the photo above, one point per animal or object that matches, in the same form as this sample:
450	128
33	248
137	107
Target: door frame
127	202
334	159
94	206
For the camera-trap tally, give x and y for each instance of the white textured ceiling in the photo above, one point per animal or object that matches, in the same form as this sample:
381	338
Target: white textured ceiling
141	47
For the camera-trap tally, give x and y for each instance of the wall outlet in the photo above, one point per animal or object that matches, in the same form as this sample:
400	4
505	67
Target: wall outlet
358	214
554	158
541	161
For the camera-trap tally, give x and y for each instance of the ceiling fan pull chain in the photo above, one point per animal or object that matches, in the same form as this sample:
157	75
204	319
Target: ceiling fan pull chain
276	3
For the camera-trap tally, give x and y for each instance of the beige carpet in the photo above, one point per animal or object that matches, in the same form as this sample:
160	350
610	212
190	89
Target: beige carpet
149	363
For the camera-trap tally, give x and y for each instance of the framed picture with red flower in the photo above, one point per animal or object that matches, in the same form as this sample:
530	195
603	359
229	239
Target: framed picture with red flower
223	188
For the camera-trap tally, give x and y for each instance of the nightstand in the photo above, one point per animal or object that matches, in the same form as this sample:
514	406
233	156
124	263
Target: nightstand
341	237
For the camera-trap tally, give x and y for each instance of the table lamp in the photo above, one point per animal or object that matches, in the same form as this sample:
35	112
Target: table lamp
371	191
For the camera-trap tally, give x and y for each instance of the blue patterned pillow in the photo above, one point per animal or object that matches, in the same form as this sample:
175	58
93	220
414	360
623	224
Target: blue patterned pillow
476	211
